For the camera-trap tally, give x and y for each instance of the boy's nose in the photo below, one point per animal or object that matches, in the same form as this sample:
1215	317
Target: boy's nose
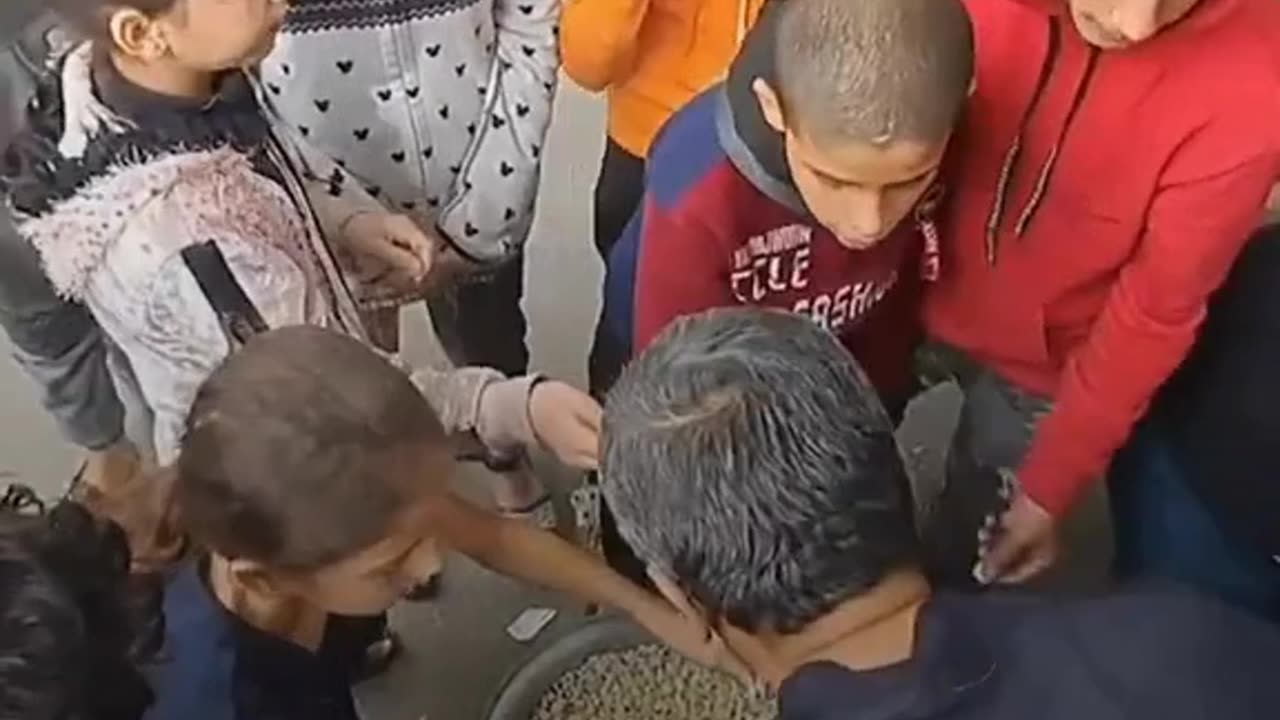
866	216
1137	20
425	563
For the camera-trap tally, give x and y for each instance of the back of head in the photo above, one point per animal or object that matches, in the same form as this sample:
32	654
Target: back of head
747	458
873	70
66	632
92	17
301	449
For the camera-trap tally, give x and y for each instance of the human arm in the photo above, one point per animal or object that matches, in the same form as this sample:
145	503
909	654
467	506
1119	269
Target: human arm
513	413
518	550
488	219
1196	226
60	347
681	268
381	246
55	342
598	40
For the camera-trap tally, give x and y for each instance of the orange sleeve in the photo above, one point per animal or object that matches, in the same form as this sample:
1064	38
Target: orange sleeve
598	40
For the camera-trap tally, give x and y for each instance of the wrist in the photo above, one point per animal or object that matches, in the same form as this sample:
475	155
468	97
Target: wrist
504	421
344	227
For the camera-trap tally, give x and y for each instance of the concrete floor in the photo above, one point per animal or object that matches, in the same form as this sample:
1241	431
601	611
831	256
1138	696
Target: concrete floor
457	652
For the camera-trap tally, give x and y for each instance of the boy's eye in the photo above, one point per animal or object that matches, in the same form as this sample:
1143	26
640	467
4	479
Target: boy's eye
833	182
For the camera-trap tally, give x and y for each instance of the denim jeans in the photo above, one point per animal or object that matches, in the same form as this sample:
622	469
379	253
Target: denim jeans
1164	530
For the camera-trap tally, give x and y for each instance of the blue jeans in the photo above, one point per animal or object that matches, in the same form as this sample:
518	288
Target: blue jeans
1164	530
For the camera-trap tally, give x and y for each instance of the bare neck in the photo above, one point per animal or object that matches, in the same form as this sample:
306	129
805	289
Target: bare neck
874	630
164	77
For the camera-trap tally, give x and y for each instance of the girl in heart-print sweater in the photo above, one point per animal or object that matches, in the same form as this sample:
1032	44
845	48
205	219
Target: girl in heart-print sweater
439	106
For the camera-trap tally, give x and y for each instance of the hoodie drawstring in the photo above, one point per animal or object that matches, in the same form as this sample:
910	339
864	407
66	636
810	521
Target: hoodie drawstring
1010	164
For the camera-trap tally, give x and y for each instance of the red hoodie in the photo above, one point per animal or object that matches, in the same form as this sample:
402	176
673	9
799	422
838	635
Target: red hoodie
1099	198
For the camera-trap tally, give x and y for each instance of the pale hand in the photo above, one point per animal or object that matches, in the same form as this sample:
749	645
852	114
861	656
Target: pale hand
391	247
1025	545
567	423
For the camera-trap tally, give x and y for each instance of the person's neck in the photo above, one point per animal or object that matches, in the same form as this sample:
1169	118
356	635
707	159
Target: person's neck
286	618
874	630
165	78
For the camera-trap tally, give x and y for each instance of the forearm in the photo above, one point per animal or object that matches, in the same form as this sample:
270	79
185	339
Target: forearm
1194	231
598	40
59	346
481	401
542	558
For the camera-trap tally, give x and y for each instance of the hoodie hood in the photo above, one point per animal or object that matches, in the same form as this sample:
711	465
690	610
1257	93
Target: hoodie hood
86	121
1060	29
83	169
753	146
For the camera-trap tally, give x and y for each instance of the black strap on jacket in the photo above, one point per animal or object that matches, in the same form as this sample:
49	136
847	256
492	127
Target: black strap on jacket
239	318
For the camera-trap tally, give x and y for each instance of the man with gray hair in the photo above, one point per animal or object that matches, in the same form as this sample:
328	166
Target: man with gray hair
748	461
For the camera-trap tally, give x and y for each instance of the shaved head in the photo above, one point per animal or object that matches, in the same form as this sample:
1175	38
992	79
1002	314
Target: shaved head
873	71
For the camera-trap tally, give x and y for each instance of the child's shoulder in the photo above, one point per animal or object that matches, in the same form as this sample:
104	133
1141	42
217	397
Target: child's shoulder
219	666
199	656
687	150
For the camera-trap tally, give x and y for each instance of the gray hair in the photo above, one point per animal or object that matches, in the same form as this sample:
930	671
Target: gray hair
746	456
874	70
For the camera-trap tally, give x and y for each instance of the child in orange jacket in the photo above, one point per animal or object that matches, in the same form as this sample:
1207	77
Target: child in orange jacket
651	57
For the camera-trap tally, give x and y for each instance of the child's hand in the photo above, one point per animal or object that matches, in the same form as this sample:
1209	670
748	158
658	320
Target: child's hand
394	242
567	423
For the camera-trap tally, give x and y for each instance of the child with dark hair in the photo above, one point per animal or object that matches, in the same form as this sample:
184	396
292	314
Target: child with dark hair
804	182
749	462
67	635
318	479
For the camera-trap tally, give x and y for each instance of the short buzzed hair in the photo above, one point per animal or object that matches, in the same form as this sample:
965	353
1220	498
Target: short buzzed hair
747	457
300	450
873	70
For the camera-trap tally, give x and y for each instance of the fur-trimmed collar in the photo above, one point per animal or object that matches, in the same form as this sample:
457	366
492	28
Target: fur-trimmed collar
76	233
73	137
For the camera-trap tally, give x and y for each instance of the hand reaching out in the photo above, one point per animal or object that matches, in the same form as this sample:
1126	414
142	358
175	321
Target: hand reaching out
1025	544
567	423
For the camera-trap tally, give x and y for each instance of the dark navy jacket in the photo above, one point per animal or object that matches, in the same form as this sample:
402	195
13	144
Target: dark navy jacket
1220	409
217	667
1139	655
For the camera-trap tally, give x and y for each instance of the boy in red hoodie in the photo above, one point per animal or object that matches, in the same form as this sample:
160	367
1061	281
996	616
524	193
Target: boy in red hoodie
1117	155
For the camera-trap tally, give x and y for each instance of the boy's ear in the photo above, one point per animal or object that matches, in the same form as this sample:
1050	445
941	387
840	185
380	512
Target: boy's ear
255	578
770	104
136	35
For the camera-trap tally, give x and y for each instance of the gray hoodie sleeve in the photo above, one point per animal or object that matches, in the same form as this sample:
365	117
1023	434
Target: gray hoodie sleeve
55	342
